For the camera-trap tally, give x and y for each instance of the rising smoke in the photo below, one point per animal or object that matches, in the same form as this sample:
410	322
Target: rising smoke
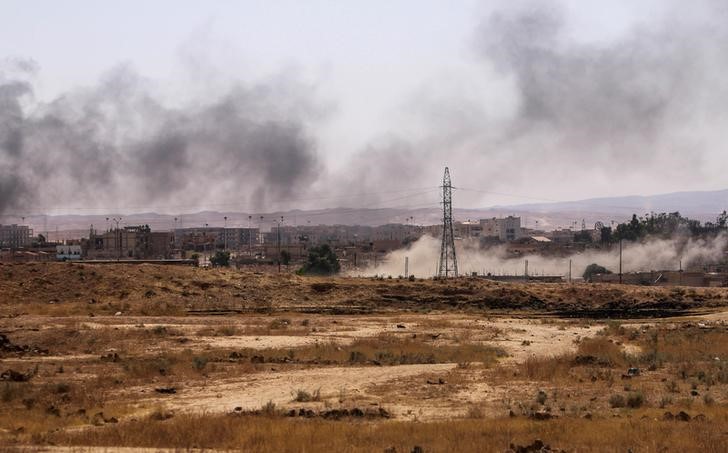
536	108
117	144
655	254
643	109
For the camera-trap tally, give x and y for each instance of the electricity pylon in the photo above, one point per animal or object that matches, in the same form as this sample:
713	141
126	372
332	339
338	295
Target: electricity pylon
448	261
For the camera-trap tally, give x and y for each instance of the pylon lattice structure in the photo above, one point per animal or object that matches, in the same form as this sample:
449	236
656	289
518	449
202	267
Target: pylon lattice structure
448	261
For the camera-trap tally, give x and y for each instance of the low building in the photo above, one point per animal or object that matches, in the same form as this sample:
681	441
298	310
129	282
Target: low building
25	256
68	252
198	239
666	278
563	236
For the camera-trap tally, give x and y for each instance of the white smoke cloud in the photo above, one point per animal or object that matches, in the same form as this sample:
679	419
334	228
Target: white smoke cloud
654	254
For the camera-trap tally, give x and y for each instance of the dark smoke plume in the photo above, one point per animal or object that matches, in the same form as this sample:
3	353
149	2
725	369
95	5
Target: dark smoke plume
638	105
630	94
645	107
118	145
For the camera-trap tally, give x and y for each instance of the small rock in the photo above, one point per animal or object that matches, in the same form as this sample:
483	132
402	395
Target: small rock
166	390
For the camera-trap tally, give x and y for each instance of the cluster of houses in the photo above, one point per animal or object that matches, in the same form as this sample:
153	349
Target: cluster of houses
356	246
361	243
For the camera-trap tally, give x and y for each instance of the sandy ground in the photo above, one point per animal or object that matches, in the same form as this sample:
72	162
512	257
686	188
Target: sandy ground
252	392
362	386
406	391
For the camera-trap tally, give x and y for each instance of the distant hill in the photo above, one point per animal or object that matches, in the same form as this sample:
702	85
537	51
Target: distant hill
701	205
705	205
695	204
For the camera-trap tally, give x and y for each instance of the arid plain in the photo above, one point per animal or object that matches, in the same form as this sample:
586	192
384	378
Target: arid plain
169	357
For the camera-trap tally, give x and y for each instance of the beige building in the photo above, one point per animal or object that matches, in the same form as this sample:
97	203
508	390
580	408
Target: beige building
506	228
131	242
15	236
468	229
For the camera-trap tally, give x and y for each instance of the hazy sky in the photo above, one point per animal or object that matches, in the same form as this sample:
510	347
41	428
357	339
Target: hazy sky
242	104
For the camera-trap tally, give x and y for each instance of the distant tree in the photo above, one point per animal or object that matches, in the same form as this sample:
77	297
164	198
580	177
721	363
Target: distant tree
220	259
285	257
667	225
582	236
606	235
594	269
722	221
321	261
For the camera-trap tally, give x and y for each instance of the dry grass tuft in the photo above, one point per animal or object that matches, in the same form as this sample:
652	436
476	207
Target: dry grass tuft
385	349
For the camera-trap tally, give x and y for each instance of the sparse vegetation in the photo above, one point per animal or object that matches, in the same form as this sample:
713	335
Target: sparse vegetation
321	261
617	400
635	400
220	259
303	396
384	350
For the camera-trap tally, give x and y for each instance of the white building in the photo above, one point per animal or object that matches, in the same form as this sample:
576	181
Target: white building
68	252
505	229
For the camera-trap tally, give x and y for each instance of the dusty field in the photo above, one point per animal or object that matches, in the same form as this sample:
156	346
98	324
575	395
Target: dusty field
131	356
